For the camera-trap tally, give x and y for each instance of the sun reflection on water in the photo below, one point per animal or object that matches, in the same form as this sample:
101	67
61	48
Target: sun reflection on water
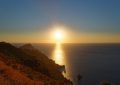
59	58
58	55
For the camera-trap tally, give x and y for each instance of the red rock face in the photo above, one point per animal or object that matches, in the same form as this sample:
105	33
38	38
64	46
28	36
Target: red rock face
10	76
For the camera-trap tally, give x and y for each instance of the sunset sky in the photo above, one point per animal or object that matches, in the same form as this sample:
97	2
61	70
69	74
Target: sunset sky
83	21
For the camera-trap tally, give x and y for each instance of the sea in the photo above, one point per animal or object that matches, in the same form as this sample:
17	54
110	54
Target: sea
95	63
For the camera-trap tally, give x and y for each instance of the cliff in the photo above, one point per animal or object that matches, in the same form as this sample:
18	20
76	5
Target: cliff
27	65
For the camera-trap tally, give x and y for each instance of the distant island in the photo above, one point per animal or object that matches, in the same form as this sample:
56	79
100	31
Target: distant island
28	66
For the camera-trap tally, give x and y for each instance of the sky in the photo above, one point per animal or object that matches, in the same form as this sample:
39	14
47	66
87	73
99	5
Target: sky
84	21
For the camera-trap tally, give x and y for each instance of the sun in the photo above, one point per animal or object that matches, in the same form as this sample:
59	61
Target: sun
58	34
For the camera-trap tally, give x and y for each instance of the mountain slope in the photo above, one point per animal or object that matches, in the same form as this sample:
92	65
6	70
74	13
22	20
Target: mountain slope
30	64
52	68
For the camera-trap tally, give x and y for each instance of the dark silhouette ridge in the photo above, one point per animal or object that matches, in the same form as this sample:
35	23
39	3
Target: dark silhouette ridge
45	62
32	64
28	46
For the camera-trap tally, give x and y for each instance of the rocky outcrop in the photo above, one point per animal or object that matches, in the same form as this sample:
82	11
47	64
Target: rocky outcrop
30	64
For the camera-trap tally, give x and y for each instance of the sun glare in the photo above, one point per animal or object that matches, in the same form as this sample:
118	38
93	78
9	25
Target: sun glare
58	35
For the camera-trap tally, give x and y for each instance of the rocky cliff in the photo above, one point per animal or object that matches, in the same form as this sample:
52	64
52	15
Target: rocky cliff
28	66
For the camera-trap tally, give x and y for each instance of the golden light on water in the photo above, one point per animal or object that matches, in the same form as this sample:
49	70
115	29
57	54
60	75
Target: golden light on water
58	54
59	58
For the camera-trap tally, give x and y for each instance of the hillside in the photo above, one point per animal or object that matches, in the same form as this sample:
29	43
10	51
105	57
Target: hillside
27	65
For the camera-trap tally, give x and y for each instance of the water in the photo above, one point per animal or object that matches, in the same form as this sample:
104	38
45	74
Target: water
95	62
